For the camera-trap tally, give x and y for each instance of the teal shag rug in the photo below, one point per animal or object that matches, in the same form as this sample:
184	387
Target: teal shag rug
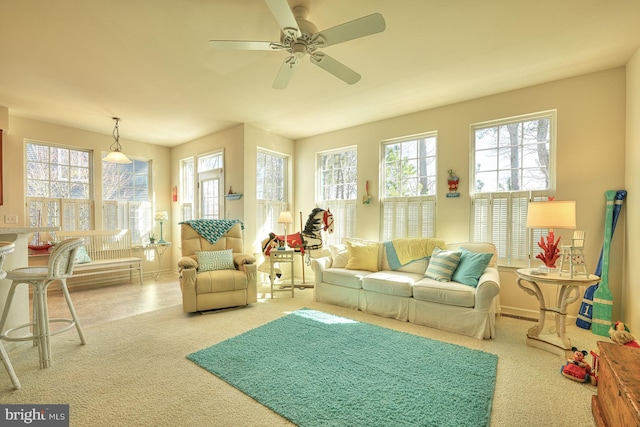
317	369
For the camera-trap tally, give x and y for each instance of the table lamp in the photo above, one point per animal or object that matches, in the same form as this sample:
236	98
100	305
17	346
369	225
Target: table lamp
161	216
285	218
551	215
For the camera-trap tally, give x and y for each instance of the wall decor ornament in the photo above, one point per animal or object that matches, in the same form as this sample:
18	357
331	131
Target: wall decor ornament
452	181
366	199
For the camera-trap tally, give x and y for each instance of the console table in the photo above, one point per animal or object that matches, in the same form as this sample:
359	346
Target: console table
568	292
159	249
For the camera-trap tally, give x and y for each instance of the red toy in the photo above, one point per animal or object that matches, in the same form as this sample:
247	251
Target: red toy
577	369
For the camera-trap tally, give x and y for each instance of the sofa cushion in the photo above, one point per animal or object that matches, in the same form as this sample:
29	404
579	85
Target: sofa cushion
471	267
362	256
215	260
391	282
339	255
343	277
442	264
82	257
220	281
476	247
367	242
448	293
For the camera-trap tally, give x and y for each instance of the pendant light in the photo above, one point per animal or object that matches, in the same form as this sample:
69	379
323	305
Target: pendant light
116	155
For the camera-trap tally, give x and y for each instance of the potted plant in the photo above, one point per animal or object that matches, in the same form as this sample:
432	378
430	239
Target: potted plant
152	238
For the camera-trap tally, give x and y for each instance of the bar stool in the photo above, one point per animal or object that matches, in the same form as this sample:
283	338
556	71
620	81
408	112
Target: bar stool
5	249
572	262
60	267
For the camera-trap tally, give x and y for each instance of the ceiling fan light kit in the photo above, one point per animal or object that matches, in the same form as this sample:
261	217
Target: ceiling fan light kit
300	38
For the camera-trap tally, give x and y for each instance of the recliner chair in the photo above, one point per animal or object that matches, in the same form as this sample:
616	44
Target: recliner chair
222	285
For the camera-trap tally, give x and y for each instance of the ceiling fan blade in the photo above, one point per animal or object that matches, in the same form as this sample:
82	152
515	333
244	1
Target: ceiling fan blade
284	16
336	68
241	45
357	28
286	72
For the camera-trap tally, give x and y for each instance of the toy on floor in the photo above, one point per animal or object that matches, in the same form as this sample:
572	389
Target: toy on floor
577	369
619	334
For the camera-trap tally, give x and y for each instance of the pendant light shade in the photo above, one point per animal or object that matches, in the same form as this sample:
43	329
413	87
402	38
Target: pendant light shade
116	155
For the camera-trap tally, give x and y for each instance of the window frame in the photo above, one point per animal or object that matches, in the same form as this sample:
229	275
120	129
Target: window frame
133	214
343	209
268	210
516	245
69	213
409	215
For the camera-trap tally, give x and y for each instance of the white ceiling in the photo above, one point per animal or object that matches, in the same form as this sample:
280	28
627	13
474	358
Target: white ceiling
79	63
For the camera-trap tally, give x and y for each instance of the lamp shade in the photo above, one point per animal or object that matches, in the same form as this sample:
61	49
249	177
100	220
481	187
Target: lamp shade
117	157
551	214
285	218
162	216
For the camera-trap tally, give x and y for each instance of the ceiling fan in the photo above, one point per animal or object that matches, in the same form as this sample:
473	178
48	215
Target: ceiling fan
300	37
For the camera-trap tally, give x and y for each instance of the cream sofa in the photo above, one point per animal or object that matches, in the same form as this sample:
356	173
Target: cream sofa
406	294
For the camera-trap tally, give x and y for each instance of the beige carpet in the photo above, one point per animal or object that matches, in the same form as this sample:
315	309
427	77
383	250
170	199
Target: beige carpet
133	372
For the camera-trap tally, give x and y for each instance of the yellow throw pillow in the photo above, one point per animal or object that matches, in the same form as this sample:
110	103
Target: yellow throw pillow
362	257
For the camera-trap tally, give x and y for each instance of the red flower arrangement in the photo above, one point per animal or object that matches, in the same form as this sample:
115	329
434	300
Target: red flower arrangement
550	252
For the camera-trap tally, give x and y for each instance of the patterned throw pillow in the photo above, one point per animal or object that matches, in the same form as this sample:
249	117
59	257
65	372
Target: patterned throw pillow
82	257
442	264
215	260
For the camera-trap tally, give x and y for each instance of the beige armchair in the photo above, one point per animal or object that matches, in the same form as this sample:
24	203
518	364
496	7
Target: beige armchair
208	290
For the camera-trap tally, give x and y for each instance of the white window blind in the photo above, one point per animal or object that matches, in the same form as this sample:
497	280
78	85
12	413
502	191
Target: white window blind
407	217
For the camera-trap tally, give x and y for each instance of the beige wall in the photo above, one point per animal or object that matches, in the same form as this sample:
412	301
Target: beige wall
240	144
591	144
630	295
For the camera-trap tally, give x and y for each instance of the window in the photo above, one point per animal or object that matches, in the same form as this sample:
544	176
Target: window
271	196
187	187
409	187
513	164
338	190
59	187
202	186
126	194
211	186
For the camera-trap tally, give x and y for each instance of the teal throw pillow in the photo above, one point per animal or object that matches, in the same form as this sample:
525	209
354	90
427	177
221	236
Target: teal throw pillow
215	260
442	264
82	257
471	267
